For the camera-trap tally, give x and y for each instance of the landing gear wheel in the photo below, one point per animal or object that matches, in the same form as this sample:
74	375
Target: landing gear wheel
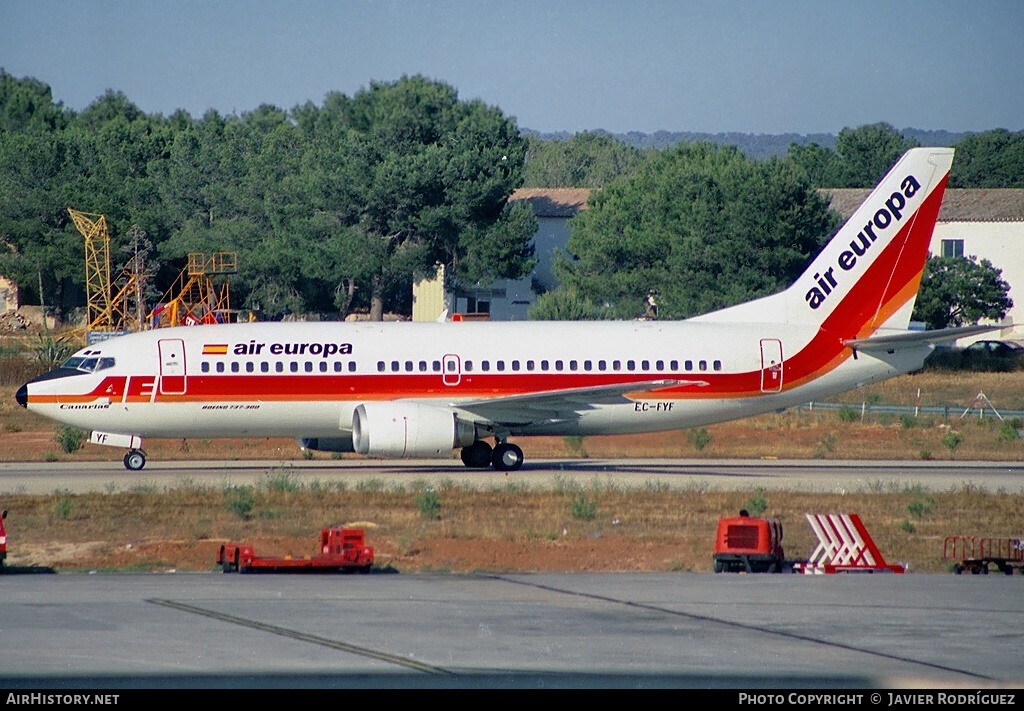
507	457
477	455
135	460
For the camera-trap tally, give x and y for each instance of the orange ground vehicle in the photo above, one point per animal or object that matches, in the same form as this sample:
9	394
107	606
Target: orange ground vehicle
341	550
748	544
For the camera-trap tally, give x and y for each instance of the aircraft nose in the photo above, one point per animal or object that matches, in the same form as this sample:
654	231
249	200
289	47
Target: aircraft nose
22	396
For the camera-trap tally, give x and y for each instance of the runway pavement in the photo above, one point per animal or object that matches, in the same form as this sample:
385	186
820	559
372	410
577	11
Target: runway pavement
689	630
797	475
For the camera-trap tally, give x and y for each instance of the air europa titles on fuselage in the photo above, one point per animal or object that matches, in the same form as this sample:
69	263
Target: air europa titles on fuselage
324	350
889	216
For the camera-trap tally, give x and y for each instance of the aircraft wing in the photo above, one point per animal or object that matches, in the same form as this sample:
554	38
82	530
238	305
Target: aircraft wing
910	339
554	405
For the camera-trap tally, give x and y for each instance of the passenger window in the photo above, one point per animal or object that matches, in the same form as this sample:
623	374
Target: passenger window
572	365
423	366
558	365
718	365
601	365
689	365
515	365
544	365
451	366
205	367
616	365
485	365
337	366
234	366
529	365
264	367
587	365
703	365
630	365
500	365
408	366
394	366
351	366
250	367
436	365
323	366
293	366
660	364
279	366
380	366
468	365
674	365
645	365
220	366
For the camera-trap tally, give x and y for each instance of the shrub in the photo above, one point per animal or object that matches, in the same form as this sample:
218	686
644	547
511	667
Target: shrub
701	439
951	441
429	504
70	439
921	508
240	501
757	504
63	507
847	414
583	508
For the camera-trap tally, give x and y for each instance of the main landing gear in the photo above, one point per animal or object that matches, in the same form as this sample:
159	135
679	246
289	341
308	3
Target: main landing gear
504	457
135	460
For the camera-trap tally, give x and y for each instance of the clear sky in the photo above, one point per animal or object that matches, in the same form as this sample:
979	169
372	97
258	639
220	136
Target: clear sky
801	66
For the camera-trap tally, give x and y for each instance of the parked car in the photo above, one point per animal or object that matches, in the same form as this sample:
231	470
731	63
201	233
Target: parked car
988	355
995	349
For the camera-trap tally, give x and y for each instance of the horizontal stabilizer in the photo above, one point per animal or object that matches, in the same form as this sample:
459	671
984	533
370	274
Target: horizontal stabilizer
909	339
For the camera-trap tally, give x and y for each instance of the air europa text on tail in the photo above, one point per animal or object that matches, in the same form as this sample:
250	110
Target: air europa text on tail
889	216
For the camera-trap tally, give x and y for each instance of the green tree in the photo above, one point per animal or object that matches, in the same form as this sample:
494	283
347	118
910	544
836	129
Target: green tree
956	291
587	160
428	179
26	105
564	305
993	159
862	157
824	167
701	226
868	152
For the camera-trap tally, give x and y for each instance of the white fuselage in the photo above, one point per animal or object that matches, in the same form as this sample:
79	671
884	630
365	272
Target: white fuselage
306	379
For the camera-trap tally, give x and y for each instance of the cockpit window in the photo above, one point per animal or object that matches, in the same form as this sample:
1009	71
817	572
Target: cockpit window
88	365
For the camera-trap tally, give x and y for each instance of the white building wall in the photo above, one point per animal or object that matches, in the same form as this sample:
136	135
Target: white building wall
1001	243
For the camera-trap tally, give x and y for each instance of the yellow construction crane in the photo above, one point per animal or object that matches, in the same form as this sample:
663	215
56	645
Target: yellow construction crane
195	298
108	313
97	269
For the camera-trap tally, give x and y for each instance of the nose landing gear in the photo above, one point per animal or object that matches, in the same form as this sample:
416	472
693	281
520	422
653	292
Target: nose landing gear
135	460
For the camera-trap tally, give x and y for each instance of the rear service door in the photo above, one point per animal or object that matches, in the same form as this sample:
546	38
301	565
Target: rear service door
172	366
771	365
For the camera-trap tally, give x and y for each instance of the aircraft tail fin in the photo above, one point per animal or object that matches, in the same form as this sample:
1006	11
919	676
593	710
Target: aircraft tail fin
866	277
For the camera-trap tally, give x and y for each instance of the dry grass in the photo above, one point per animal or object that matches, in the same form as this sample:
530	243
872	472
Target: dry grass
495	529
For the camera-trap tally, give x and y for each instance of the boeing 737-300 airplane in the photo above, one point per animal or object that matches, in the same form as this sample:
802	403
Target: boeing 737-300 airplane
424	389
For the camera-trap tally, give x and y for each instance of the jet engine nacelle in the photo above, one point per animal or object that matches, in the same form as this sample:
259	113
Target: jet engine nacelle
327	444
407	429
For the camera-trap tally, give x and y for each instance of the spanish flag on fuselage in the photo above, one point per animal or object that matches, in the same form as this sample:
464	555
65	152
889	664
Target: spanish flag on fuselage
215	349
